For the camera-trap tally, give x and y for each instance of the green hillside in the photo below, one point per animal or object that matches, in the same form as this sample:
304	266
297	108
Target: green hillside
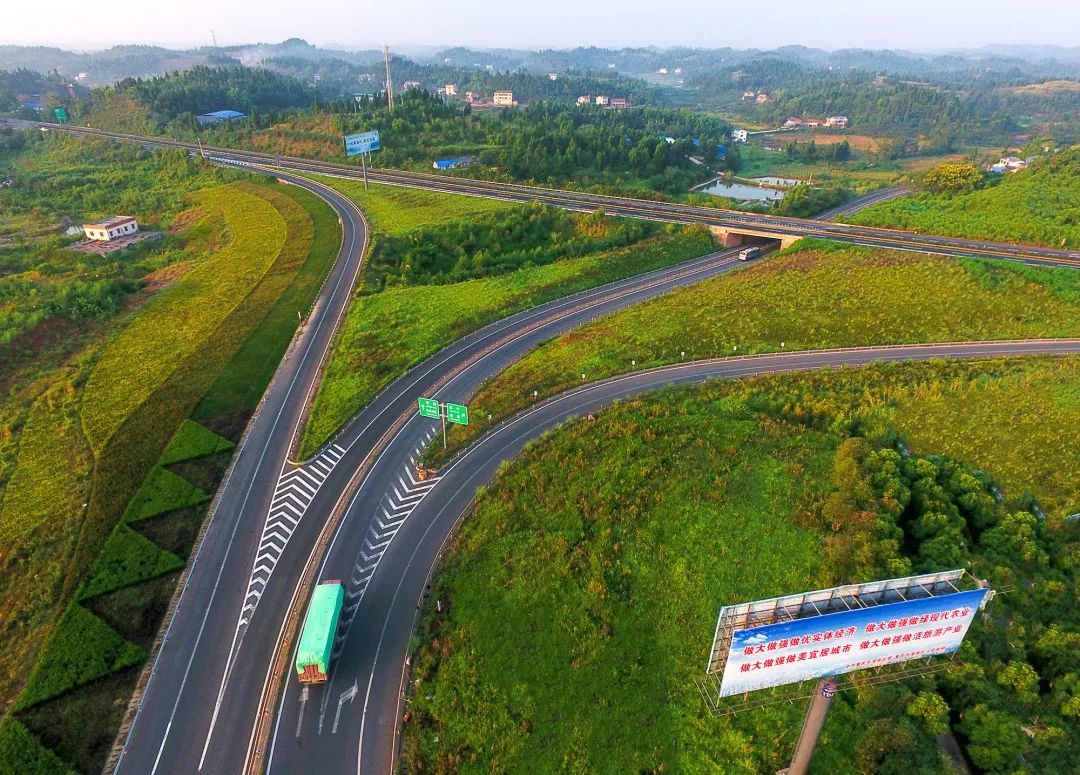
1040	206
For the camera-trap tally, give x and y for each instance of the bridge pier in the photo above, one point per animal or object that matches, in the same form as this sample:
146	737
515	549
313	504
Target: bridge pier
726	238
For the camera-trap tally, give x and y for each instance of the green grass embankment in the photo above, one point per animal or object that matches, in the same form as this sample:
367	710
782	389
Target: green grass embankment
1040	206
123	577
578	600
811	297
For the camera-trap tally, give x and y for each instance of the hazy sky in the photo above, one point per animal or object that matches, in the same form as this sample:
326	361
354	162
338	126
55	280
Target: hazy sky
923	25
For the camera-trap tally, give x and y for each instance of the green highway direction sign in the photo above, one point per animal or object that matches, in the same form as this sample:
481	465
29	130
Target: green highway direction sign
457	413
429	407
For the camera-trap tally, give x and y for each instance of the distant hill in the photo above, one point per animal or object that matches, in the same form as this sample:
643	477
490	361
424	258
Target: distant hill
103	67
297	48
1031	61
1030	53
136	61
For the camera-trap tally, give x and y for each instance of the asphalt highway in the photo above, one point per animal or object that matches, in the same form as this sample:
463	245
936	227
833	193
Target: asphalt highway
198	709
352	723
358	512
198	712
764	224
779	226
177	702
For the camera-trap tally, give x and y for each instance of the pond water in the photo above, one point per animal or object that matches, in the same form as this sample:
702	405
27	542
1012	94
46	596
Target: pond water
742	192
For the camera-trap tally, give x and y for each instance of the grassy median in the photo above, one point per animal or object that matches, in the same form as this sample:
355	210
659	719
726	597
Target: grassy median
418	306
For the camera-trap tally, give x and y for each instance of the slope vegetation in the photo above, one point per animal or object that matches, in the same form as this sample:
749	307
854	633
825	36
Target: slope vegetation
812	297
125	439
577	602
1040	205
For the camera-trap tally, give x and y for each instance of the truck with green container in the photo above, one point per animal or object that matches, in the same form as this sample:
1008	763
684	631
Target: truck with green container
320	628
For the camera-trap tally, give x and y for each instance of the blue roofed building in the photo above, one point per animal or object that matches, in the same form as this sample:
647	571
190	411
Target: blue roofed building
31	101
218	115
447	164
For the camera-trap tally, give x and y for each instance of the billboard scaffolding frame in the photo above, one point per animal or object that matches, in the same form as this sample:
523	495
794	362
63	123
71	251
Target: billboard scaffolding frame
850	597
842	633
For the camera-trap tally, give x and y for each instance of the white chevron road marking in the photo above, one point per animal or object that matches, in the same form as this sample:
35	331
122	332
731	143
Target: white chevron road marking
399	501
296	488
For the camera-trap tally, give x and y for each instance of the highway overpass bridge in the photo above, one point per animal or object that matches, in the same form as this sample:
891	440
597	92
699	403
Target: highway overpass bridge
730	237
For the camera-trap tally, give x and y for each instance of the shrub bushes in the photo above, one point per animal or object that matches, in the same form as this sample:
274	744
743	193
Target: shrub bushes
20	752
128	558
81	648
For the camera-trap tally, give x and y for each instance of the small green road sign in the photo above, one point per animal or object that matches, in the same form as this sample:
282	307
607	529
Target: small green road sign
457	413
61	115
429	407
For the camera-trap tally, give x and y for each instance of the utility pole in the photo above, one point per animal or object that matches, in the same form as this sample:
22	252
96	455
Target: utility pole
389	81
213	37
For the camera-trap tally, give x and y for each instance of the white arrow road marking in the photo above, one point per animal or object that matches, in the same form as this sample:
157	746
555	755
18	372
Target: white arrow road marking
396	508
376	547
295	490
303	704
293	493
346	696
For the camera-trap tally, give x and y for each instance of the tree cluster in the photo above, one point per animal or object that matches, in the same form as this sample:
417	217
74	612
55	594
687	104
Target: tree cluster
496	244
811	151
186	94
952	178
1017	697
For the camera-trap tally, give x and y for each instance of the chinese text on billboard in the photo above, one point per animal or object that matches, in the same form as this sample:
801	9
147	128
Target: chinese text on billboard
832	644
361	143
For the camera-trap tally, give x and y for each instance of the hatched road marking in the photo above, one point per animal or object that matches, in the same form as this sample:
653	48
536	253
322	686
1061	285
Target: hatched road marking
295	490
397	504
